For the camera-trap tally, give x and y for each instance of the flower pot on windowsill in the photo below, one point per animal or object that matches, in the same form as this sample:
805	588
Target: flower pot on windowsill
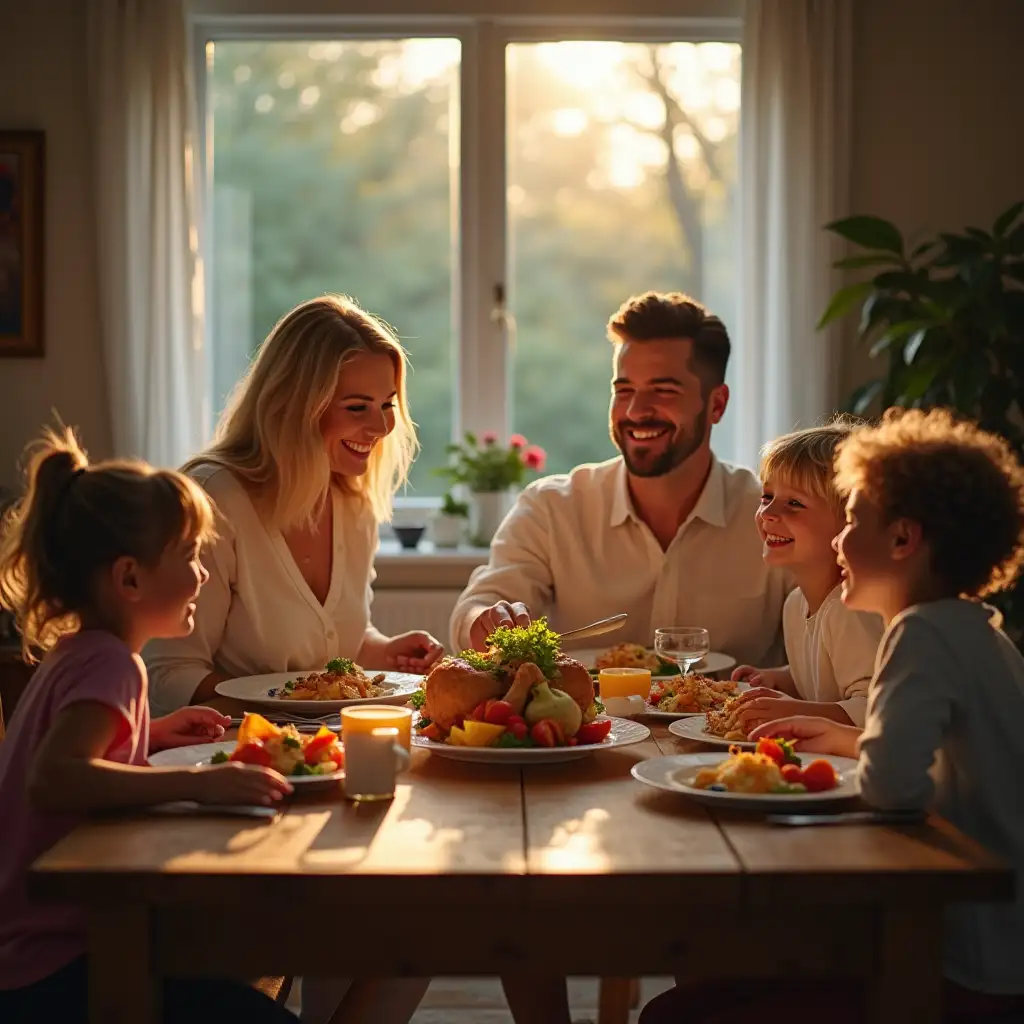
487	510
446	531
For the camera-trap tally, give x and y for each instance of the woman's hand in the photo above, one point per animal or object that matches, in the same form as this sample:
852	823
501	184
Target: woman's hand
412	652
187	725
813	735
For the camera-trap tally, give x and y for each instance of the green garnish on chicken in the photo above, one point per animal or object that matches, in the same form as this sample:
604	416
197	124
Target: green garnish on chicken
343	666
510	646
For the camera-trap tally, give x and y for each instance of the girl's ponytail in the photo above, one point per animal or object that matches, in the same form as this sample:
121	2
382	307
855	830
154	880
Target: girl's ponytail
75	520
35	581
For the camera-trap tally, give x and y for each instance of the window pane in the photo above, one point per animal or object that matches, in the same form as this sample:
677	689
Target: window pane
332	172
601	206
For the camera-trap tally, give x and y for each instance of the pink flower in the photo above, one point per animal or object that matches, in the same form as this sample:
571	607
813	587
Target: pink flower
489	437
517	441
534	457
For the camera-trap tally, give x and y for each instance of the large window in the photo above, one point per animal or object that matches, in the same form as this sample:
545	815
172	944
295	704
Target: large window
493	194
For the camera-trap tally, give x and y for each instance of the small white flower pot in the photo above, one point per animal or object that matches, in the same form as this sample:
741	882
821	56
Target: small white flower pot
446	531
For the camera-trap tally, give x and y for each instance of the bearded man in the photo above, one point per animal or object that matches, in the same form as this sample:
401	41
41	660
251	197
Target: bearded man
664	532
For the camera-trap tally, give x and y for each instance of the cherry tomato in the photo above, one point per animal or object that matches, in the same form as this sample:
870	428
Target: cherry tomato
547	733
432	732
594	732
818	776
498	712
771	749
479	711
792	773
252	753
518	729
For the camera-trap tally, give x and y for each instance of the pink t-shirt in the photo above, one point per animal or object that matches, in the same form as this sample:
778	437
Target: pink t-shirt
38	939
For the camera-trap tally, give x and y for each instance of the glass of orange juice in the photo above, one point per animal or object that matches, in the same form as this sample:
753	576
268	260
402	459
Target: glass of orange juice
624	682
367	717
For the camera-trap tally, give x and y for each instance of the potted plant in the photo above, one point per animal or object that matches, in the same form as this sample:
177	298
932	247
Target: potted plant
946	319
490	472
448	523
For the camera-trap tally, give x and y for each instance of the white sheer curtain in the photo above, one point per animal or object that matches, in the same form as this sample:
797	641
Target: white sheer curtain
150	289
794	179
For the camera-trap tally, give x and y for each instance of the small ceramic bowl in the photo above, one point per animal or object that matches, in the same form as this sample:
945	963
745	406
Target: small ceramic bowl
409	536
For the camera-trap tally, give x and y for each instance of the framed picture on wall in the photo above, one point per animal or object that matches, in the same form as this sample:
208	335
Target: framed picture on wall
21	243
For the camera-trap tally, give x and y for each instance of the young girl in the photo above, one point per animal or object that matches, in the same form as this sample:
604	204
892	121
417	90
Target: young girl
94	562
934	521
831	649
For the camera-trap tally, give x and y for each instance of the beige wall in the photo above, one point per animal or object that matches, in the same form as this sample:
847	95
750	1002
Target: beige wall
937	143
42	86
938	125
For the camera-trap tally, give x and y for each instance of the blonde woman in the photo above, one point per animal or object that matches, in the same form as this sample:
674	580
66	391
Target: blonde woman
309	452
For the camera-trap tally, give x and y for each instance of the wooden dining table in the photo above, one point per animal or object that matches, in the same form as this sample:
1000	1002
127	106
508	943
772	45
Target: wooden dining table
485	869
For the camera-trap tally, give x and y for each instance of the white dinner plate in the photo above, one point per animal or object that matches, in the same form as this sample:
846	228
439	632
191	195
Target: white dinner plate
675	774
693	729
623	733
199	754
256	690
713	663
653	712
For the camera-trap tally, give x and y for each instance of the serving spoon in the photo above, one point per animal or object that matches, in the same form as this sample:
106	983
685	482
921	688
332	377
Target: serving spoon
596	628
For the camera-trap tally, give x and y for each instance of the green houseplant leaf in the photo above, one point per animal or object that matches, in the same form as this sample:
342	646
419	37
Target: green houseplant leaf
947	324
869	233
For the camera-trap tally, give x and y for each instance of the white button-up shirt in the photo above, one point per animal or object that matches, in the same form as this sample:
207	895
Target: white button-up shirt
256	612
573	548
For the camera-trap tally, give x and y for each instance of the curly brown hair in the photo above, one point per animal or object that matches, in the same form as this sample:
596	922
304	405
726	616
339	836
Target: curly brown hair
656	315
962	484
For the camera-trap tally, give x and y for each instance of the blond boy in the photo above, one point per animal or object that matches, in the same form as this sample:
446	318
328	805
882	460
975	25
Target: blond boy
831	649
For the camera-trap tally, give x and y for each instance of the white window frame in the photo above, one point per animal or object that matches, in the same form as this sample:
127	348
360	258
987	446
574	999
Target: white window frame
482	351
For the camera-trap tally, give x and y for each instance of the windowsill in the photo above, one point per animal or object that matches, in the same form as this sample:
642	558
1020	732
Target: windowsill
426	567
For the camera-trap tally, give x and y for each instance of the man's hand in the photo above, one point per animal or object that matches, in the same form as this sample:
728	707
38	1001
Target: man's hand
504	613
187	725
813	735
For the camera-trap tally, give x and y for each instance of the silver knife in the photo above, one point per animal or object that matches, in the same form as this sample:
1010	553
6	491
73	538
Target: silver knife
850	818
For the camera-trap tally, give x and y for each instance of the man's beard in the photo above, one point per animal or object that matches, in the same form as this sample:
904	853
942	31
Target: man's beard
675	454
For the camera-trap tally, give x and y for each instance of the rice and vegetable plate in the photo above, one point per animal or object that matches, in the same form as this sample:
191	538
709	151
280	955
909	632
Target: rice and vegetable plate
691	694
773	768
341	679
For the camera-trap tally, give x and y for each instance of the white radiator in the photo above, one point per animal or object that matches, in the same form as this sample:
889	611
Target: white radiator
398	611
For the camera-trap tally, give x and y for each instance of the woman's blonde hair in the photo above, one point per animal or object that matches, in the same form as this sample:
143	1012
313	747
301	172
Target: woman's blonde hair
805	459
75	520
269	432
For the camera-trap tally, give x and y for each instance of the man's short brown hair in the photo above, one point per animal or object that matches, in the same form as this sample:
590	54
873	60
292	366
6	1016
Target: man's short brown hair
657	315
963	485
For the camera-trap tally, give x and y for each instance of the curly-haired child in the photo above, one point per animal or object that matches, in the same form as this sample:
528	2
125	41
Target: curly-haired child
934	522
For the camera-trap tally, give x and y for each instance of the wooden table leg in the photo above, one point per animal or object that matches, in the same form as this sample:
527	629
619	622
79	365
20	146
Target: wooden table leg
122	986
614	1001
907	984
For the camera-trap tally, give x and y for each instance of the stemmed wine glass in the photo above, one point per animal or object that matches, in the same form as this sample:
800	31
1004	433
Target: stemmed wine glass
682	645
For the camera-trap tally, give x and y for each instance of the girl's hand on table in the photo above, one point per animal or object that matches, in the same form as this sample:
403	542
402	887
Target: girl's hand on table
236	783
187	725
812	735
412	652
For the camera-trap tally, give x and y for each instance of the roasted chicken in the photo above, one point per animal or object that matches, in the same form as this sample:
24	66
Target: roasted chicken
454	687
